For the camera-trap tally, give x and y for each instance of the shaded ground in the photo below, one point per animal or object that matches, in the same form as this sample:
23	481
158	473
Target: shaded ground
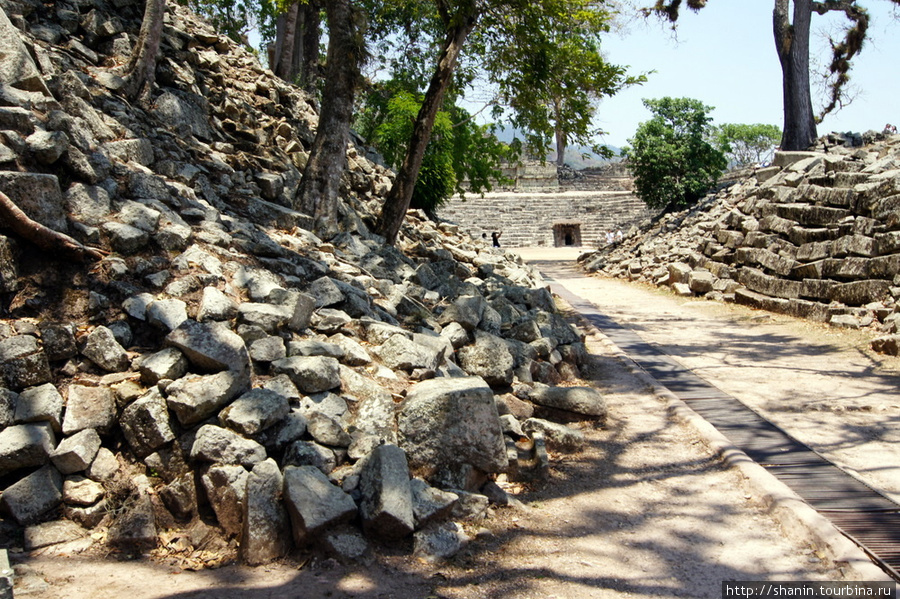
821	384
645	510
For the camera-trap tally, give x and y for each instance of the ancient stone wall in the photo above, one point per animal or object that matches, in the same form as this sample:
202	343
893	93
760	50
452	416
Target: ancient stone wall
547	219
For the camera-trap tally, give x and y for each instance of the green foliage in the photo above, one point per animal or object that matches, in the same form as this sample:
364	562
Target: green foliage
745	145
672	163
553	88
234	18
459	150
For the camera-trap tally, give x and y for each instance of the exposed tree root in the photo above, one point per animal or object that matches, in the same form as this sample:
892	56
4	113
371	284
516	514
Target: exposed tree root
18	222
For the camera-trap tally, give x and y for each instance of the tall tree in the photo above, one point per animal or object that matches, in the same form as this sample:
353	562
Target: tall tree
318	192
554	88
458	21
791	24
140	74
452	23
294	55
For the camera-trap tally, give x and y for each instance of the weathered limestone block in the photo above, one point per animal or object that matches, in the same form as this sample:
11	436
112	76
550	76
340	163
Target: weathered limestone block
58	341
215	305
103	350
701	281
446	422
33	496
226	489
430	504
759	256
135	528
466	310
42	403
145	423
756	280
196	397
75	453
858	293
311	374
168	363
255	411
857	245
89	408
401	353
37	195
811	216
266	528
579	400
23	362
52	533
439	541
222	446
386	497
210	346
314	503
78	490
167	314
488	358
559	436
25	446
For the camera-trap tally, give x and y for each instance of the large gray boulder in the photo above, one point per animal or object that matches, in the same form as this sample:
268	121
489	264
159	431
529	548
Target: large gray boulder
266	529
402	353
226	489
103	350
33	496
210	346
23	362
75	453
314	503
25	446
489	358
222	446
196	397
386	496
42	403
89	408
311	374
145	423
446	423
586	401
254	411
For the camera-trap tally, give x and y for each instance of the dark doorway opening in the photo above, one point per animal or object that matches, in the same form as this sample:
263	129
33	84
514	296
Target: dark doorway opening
567	234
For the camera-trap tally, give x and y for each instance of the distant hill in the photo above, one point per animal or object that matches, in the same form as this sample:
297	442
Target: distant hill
578	157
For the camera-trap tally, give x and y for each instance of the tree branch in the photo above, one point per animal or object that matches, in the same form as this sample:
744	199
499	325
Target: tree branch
844	50
44	237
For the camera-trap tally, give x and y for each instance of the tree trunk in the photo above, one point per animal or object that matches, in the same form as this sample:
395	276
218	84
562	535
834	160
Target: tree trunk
792	45
140	74
318	193
561	140
308	45
285	35
397	202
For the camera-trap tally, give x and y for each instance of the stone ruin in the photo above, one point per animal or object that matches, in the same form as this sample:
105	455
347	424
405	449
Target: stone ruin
816	235
576	210
223	383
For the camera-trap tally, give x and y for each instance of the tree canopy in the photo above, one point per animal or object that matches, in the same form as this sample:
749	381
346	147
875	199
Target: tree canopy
745	145
791	26
672	162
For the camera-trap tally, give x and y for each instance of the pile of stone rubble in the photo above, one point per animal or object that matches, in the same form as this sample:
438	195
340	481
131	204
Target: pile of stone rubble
222	372
815	235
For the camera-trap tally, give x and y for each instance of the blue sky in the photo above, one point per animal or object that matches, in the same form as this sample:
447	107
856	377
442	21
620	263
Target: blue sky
725	57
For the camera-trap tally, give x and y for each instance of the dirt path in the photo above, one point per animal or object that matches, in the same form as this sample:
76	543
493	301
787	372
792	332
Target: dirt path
820	384
646	510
